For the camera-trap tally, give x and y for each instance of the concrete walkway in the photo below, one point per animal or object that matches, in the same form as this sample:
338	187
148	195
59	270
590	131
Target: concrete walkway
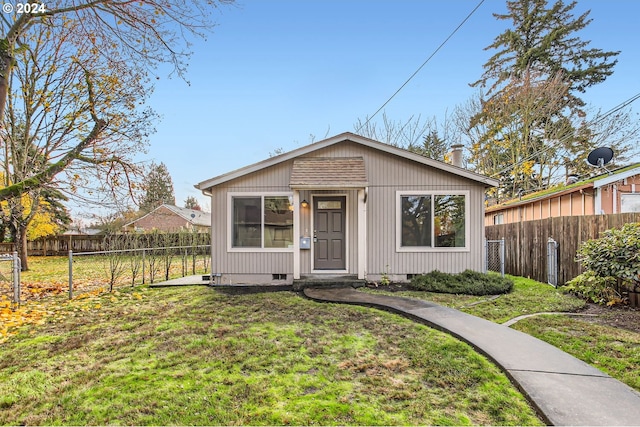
564	390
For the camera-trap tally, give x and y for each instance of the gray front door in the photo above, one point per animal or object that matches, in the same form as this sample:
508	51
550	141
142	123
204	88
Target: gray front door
329	234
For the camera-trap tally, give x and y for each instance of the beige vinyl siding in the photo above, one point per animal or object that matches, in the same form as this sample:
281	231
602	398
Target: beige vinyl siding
381	229
272	180
386	174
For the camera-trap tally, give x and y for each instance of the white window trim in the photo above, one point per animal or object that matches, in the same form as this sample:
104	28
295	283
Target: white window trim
467	231
262	195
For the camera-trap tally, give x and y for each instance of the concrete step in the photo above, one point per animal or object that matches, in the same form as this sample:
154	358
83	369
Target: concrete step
328	281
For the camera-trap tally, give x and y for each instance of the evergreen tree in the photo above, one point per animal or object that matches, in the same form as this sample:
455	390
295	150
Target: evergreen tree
542	41
433	147
524	127
158	188
192	203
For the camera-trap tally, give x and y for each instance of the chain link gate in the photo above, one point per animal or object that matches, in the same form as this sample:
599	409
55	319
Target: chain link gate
552	262
494	255
12	280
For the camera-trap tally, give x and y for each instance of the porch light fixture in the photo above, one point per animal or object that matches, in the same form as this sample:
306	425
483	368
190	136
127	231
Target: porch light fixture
304	203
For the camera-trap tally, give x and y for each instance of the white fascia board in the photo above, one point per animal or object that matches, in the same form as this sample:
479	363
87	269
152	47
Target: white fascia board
487	181
616	177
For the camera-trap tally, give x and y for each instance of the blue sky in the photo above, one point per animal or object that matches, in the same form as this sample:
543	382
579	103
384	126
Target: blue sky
279	73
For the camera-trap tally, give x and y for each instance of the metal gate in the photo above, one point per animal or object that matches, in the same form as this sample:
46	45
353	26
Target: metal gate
552	262
494	255
11	265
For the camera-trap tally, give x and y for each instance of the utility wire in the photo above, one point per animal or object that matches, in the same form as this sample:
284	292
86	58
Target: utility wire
592	122
422	66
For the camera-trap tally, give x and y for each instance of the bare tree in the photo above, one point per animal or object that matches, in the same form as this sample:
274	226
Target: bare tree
428	138
67	119
397	133
129	39
115	259
134	245
74	78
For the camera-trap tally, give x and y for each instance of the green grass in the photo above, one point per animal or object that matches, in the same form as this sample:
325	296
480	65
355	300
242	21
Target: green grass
199	357
530	297
527	297
612	350
50	275
194	356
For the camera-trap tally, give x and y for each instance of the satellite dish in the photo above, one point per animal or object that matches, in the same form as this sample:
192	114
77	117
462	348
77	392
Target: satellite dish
600	156
193	215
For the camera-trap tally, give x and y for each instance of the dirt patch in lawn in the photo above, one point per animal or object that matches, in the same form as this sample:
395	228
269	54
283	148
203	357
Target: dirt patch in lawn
618	316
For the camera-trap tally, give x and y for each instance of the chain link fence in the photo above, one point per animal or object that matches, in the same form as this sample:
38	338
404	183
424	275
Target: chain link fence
10	278
494	256
105	270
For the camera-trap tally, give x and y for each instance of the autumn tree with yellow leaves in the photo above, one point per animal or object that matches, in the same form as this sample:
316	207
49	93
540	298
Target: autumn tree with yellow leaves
515	133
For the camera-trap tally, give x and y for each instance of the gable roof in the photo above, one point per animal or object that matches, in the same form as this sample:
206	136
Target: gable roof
346	136
76	231
195	217
618	175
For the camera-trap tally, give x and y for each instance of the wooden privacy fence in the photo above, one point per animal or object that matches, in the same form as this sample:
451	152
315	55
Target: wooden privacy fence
526	242
61	245
7	248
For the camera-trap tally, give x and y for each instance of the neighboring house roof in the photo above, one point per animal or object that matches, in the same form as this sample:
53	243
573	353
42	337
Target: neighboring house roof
594	182
305	171
82	232
194	217
623	173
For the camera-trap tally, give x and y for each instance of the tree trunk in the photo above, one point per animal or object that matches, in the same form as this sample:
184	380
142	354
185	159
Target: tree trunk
5	70
21	247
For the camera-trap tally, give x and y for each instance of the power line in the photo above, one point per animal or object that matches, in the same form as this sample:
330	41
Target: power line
590	123
421	66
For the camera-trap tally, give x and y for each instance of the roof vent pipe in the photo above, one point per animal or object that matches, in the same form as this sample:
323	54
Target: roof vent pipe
456	155
572	179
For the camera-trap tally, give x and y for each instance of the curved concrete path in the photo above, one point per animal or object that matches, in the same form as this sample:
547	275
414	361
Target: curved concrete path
564	390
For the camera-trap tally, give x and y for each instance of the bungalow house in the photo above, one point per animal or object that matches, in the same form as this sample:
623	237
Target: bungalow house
609	193
349	206
171	218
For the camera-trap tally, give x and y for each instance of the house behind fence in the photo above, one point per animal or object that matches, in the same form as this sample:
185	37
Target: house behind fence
526	242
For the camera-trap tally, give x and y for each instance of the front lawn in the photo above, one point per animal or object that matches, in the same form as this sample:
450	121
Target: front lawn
195	356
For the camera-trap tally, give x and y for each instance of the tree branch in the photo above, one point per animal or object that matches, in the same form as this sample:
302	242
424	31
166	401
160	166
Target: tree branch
45	176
